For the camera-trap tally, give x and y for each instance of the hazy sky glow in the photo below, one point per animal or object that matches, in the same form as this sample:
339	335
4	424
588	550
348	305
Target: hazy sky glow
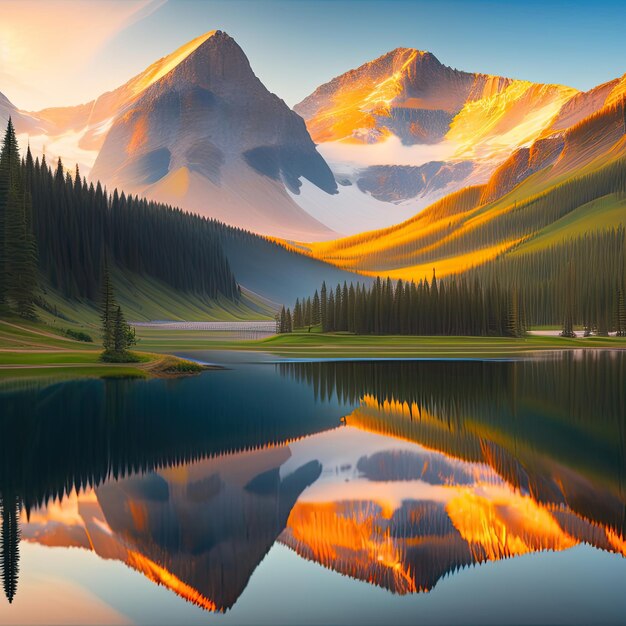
56	52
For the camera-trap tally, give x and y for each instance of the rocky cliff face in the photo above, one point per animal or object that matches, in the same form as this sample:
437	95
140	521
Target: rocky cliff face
396	183
408	93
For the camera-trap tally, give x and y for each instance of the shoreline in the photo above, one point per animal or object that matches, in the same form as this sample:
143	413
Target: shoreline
31	350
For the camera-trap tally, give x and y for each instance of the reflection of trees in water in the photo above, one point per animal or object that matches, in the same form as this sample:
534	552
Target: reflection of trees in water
77	435
9	544
553	427
578	385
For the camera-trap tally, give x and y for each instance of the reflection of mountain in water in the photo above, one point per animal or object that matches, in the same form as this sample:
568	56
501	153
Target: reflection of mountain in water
444	514
200	529
73	436
439	466
553	428
78	434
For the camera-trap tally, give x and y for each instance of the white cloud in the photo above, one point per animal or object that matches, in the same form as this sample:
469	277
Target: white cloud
388	152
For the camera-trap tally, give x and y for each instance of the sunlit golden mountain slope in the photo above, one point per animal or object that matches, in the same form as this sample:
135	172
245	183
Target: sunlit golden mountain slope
526	198
410	94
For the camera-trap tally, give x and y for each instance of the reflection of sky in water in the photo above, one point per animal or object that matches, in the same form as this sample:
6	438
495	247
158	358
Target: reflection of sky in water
462	497
578	586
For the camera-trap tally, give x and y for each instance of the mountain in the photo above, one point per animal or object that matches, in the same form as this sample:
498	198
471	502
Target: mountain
208	136
354	499
196	129
560	197
433	130
76	133
26	122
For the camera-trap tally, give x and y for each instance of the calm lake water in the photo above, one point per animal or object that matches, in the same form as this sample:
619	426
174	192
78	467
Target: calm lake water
430	492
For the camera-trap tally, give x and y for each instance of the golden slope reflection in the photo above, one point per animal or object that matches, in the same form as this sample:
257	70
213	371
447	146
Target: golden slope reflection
446	513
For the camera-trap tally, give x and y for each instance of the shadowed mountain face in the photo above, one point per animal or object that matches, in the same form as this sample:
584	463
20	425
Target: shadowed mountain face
210	138
420	480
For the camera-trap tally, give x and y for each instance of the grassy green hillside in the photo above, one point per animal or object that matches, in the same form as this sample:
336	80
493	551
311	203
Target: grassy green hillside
144	299
606	212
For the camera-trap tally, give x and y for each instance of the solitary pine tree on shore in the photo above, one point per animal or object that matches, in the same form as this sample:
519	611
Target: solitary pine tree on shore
117	335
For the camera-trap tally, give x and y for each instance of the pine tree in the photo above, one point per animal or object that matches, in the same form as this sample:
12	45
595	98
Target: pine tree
288	322
9	545
316	317
107	311
120	332
621	314
8	167
324	307
298	317
18	252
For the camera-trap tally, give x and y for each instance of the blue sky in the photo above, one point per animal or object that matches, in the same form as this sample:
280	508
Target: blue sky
294	45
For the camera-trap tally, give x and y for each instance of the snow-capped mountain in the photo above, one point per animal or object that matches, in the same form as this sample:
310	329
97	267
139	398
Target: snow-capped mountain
405	130
196	129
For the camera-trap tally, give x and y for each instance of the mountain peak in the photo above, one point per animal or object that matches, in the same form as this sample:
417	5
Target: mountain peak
404	77
206	135
212	40
415	53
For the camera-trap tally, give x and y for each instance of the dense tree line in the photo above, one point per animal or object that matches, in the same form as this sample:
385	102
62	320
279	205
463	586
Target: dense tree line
77	225
64	227
452	307
18	250
582	280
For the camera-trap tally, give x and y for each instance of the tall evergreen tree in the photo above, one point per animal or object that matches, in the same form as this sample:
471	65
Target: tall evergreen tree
316	317
18	252
324	307
107	311
122	333
9	544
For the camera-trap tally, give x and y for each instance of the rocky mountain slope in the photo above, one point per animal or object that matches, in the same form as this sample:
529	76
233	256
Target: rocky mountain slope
435	129
209	137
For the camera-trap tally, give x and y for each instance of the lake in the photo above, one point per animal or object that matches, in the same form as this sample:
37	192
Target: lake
290	492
